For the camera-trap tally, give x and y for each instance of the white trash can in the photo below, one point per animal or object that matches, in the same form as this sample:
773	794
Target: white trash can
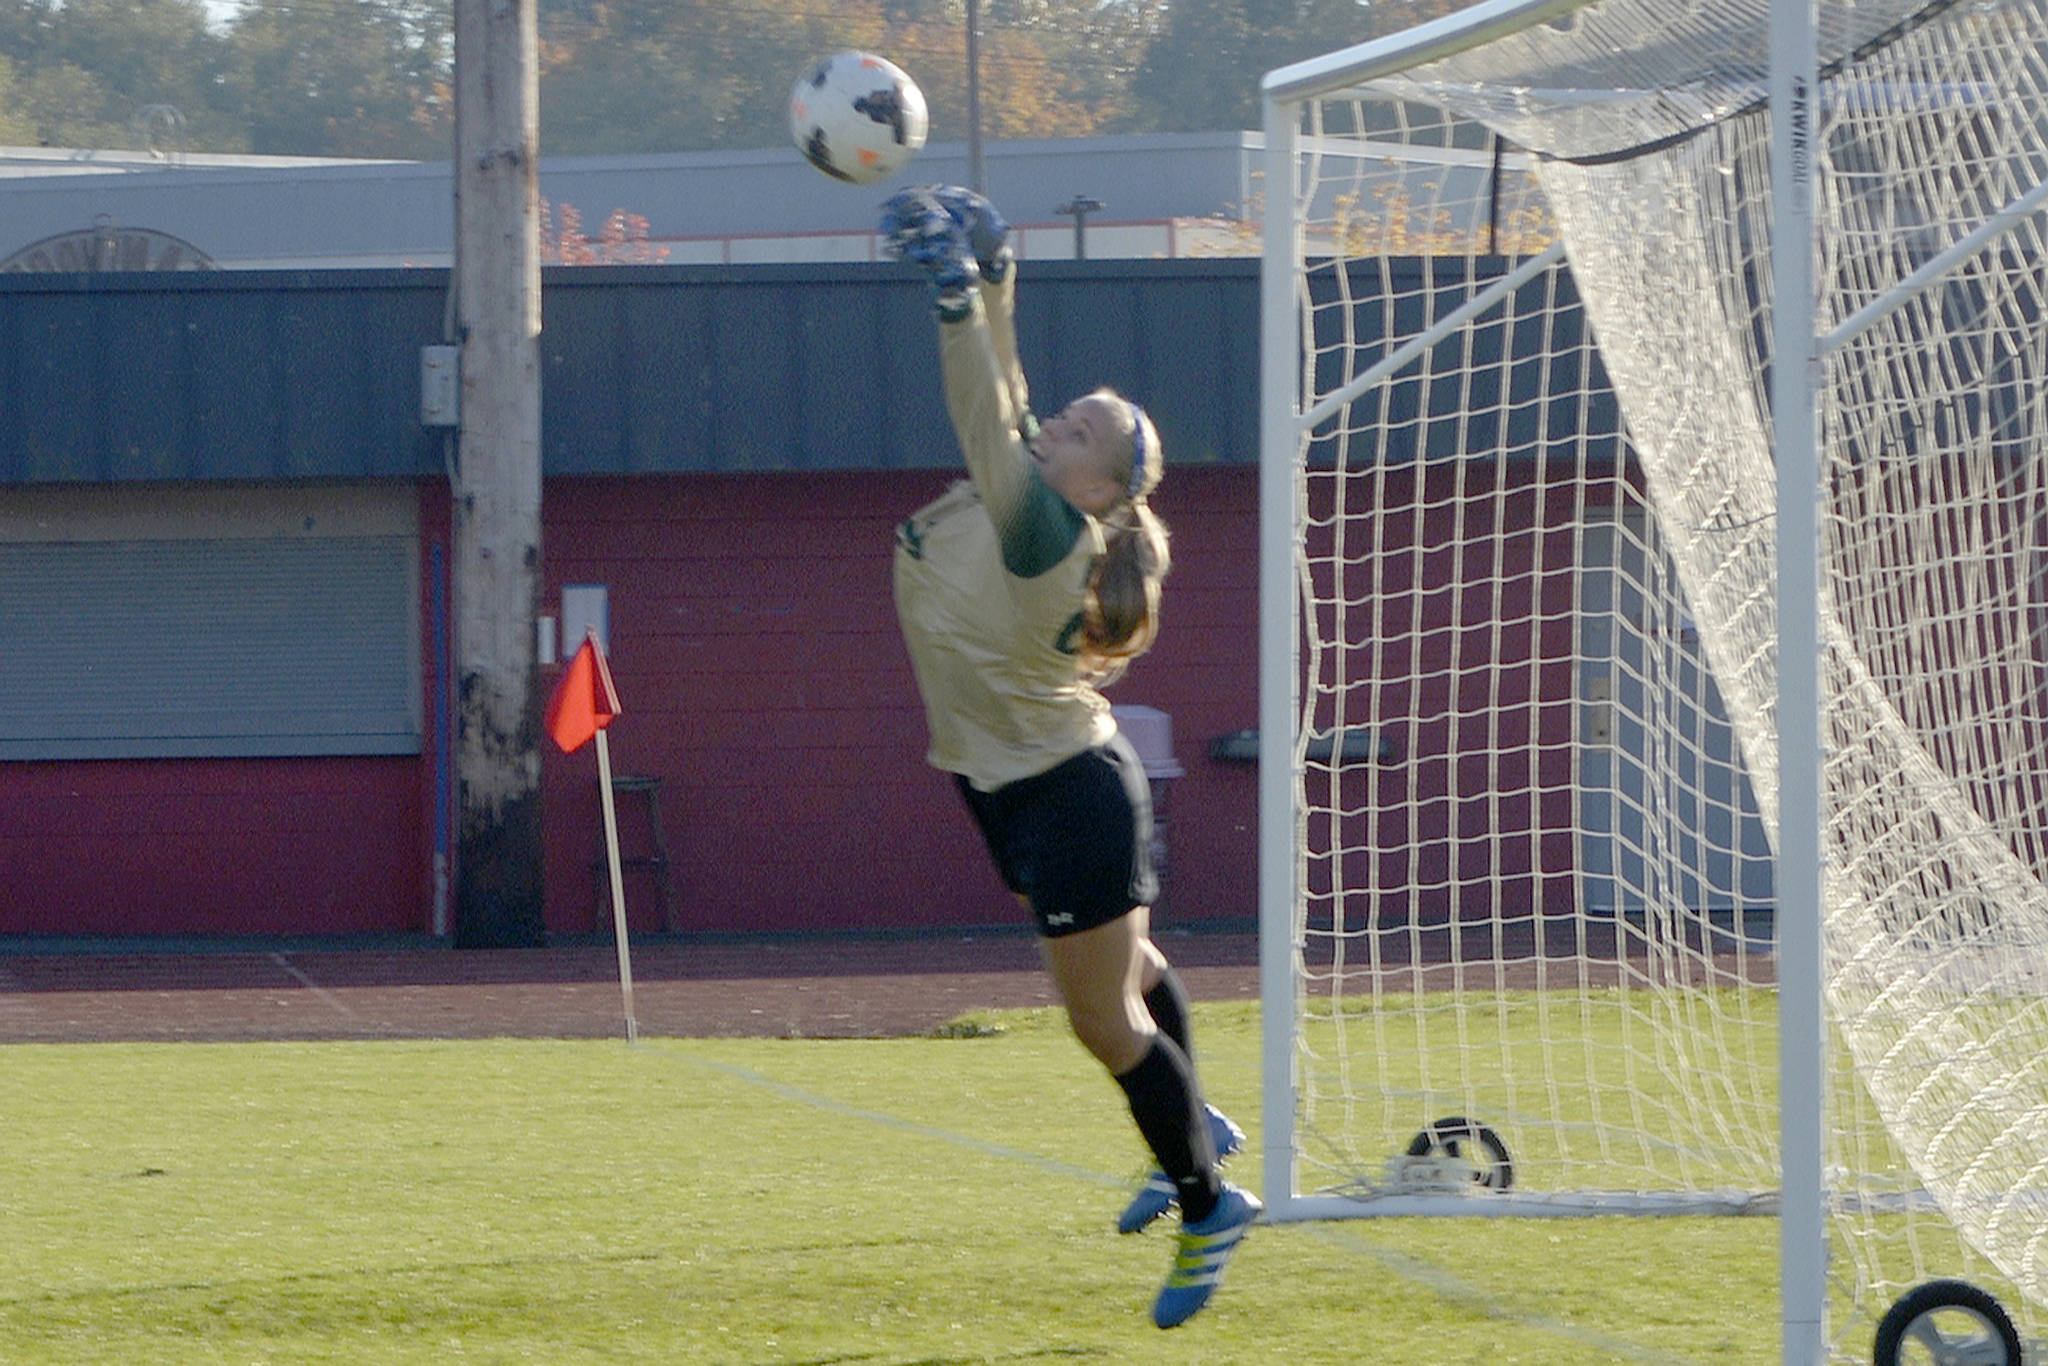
1150	732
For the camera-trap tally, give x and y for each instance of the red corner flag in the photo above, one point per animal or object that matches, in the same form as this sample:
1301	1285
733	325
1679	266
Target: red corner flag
585	700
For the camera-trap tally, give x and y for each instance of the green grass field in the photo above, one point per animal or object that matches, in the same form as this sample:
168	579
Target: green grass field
920	1202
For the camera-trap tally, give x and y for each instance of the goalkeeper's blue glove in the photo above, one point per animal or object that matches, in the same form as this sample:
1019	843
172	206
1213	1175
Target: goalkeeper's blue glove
916	228
986	232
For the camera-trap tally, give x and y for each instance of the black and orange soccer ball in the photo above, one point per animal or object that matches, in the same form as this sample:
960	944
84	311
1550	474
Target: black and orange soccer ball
858	117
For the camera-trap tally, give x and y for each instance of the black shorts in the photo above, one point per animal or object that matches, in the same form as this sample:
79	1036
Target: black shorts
1075	840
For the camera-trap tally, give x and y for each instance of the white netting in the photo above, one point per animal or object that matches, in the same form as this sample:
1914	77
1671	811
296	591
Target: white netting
1528	896
1546	904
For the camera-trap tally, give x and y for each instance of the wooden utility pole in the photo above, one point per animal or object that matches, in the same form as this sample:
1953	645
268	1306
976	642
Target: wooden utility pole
977	167
497	560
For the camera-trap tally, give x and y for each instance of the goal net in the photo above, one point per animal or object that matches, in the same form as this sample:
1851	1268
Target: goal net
1520	501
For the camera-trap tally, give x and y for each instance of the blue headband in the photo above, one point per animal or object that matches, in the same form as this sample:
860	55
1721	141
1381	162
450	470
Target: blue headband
1136	485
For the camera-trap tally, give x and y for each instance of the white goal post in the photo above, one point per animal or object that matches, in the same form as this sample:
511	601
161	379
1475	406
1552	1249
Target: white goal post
1643	831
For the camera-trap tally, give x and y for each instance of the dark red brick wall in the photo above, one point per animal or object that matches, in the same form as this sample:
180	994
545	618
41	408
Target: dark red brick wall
212	846
756	655
280	846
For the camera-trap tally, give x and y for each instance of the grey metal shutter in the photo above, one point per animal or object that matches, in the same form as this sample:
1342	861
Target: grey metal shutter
192	646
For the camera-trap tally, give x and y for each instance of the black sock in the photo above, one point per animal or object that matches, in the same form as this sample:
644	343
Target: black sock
1167	1104
1168	1003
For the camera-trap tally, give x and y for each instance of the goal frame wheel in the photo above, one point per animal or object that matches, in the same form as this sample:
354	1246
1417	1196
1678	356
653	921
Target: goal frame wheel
1454	1135
1910	1319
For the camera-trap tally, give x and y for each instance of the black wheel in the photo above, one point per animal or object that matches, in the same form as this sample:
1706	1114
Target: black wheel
1473	1142
1946	1323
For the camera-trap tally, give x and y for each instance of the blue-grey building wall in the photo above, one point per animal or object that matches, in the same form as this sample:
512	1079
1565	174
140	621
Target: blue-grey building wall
256	375
753	625
645	369
207	376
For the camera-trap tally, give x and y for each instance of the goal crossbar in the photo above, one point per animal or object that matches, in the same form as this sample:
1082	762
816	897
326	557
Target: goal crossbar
1444	37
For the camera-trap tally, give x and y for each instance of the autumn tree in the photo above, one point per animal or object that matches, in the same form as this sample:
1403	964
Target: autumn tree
1049	68
1202	71
15	128
82	72
1103	45
623	239
659	76
364	78
667	75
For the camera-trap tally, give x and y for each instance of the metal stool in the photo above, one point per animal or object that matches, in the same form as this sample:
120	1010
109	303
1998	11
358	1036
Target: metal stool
655	860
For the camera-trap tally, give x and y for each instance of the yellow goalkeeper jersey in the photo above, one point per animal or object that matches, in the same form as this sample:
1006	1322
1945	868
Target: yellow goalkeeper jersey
991	578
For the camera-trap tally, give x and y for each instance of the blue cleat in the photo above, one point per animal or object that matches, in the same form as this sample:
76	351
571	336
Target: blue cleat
1205	1249
1157	1195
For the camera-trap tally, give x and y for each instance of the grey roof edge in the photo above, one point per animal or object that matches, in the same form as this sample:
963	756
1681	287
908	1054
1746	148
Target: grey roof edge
570	277
221	170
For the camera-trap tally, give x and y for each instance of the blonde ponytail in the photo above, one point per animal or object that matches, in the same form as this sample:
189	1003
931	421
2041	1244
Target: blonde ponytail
1121	618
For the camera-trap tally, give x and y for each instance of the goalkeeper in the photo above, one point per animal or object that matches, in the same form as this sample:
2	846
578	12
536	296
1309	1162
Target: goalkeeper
1021	592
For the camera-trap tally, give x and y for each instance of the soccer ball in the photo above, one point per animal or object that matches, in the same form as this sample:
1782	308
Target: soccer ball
857	117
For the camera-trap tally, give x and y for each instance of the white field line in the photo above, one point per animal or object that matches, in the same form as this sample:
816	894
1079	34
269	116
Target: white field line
1408	1267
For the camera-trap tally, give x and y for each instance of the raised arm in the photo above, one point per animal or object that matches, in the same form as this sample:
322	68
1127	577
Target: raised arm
988	236
961	244
984	395
984	386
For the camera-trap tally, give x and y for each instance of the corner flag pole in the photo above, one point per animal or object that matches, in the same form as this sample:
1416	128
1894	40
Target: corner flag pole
583	704
611	850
